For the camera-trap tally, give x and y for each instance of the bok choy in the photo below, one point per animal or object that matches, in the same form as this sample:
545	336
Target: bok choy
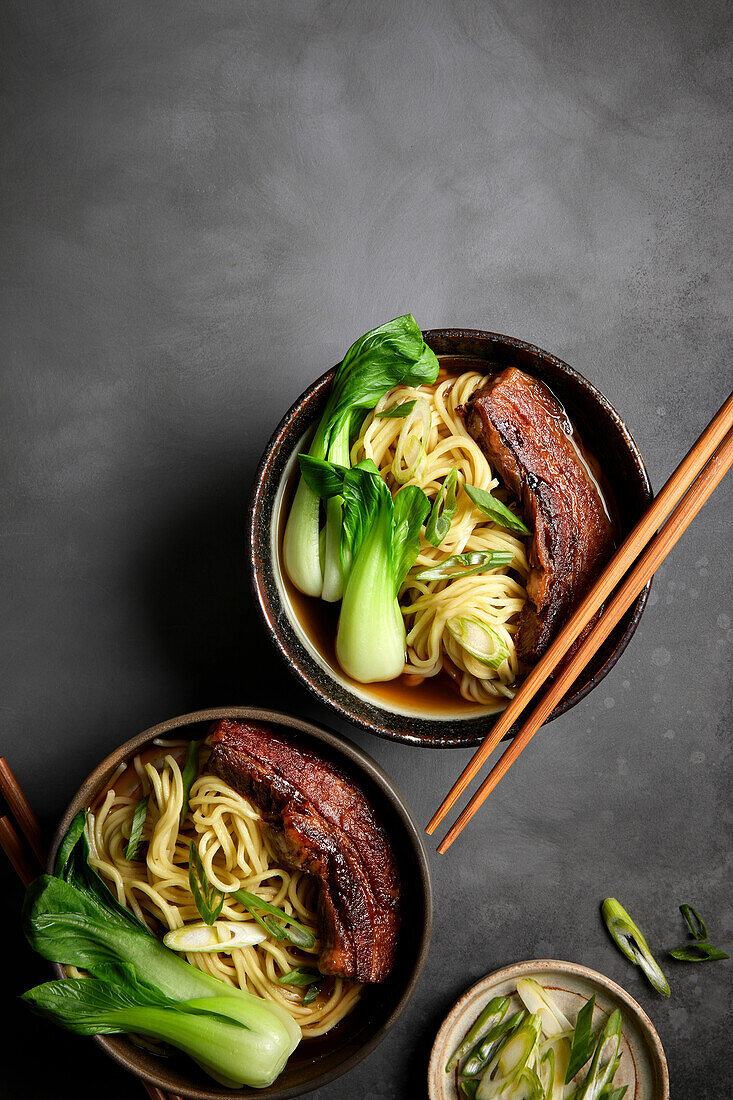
393	354
380	541
139	985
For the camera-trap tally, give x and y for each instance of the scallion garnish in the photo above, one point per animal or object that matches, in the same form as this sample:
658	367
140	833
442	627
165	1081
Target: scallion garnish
496	511
444	508
312	979
290	930
488	1018
136	828
630	941
209	901
464	565
396	412
583	1044
698	950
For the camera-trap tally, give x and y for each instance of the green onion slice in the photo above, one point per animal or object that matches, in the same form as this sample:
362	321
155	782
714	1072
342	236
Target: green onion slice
697	926
136	829
291	930
628	938
464	565
478	639
496	511
488	1018
698	952
222	935
443	510
209	901
583	1042
395	412
488	1044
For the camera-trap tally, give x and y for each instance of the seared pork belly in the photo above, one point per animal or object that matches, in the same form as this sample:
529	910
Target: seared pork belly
322	823
527	437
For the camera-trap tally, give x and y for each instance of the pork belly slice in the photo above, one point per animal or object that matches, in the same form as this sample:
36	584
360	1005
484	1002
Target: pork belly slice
322	823
527	437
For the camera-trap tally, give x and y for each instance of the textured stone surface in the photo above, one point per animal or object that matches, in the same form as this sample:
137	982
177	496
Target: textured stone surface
203	204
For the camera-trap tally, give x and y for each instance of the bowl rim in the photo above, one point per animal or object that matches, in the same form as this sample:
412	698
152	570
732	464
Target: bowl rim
282	634
360	761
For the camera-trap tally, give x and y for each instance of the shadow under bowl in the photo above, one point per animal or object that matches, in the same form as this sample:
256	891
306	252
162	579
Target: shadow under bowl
419	716
315	1062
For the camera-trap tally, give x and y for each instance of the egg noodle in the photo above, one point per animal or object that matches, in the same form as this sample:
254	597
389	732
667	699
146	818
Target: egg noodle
421	449
236	853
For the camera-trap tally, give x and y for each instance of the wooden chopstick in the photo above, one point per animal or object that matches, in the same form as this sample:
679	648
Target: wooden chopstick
12	844
659	509
21	810
631	586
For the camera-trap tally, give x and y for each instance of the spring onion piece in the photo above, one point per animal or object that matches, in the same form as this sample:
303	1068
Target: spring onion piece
608	1092
478	639
511	1058
443	510
189	773
697	926
393	354
487	1046
380	540
583	1043
235	1042
290	929
492	1014
222	935
464	565
538	1000
527	1086
299	976
209	901
395	412
136	828
412	444
605	1060
555	1051
496	511
629	940
698	952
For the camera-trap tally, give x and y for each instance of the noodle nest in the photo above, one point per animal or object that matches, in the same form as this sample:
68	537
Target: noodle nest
421	449
236	853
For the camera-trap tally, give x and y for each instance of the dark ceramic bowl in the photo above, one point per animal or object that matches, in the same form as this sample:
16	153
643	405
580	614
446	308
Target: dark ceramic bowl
285	611
316	1061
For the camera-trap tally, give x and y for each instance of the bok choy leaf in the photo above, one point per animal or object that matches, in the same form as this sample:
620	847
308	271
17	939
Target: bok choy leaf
393	354
379	544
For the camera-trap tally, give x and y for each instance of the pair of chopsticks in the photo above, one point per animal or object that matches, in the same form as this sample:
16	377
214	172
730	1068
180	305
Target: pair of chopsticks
28	864
630	569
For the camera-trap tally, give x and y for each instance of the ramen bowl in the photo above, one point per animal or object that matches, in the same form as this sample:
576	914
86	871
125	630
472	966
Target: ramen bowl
316	1061
303	630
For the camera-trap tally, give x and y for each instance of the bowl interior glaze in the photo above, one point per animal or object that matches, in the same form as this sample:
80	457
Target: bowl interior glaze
434	725
317	1061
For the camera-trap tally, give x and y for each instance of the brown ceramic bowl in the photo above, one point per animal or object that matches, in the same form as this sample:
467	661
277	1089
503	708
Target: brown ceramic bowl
417	716
316	1061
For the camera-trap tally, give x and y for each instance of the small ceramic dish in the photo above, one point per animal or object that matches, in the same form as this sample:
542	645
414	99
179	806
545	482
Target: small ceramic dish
316	1061
643	1065
304	634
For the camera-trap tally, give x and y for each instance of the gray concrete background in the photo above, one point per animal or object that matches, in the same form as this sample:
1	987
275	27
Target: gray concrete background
202	206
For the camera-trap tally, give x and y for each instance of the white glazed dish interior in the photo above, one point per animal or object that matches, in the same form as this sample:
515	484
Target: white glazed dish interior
643	1064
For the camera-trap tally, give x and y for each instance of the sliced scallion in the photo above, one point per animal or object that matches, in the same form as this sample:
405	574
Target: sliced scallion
487	1046
290	930
136	828
496	510
395	412
222	935
488	1018
538	1000
444	508
582	1047
630	941
464	565
209	901
478	639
